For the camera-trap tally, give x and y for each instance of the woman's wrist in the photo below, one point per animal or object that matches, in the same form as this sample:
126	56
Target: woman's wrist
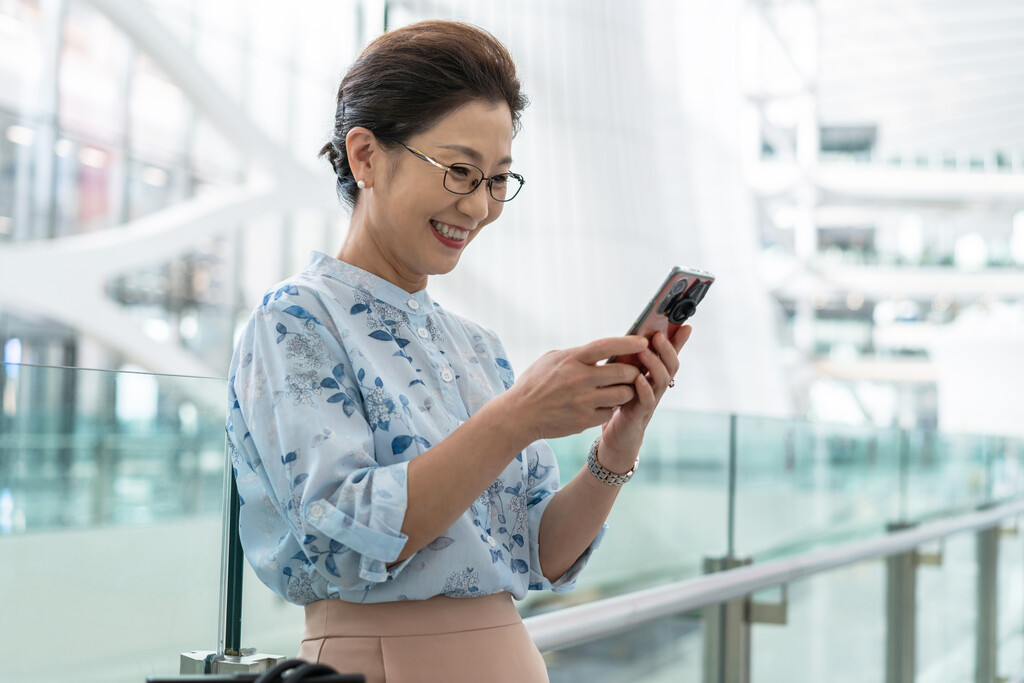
511	424
604	474
615	460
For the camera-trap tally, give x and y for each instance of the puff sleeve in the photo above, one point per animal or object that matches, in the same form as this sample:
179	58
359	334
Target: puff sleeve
303	450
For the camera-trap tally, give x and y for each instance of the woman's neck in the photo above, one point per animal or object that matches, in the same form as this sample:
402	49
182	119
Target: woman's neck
361	250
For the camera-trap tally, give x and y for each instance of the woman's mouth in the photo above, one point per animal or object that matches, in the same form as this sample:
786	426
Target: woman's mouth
449	235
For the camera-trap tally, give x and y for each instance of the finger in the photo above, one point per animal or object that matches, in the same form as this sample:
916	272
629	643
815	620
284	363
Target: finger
615	373
680	337
659	374
612	397
667	352
601	349
645	392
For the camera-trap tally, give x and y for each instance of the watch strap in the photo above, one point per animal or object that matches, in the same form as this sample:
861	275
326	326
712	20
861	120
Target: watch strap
605	475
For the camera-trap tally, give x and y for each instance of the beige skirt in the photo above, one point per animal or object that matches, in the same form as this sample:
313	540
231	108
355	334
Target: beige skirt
440	639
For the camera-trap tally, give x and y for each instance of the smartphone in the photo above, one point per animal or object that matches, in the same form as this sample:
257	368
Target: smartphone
675	302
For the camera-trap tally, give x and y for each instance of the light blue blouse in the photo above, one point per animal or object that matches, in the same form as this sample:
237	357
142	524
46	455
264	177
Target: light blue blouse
340	379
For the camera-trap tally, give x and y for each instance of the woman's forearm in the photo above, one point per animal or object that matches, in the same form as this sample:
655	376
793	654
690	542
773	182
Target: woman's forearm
572	521
446	479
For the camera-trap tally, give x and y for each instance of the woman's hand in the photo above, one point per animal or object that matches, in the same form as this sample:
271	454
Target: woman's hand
622	435
565	392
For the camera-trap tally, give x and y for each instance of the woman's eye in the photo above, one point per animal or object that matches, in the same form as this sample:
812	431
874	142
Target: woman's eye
500	179
460	171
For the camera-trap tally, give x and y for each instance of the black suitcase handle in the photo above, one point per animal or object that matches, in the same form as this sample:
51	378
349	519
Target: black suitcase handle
300	672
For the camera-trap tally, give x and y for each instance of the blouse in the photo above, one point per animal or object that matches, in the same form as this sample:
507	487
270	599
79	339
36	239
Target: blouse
339	379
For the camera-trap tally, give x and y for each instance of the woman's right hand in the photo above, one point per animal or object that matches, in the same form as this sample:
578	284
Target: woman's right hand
565	392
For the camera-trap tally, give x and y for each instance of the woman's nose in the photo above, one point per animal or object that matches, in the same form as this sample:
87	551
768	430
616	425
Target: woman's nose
476	204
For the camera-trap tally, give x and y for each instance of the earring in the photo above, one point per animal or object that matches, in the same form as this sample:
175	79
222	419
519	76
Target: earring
361	184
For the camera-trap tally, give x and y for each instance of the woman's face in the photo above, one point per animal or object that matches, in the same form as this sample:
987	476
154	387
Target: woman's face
410	204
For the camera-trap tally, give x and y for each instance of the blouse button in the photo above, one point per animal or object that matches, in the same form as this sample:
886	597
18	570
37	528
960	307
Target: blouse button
447	375
413	304
423	332
491	542
316	510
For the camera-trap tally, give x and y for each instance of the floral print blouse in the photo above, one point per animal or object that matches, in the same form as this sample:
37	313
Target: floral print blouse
340	379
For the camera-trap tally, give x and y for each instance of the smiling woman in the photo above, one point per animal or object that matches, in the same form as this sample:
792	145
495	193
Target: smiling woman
409	79
395	481
413	219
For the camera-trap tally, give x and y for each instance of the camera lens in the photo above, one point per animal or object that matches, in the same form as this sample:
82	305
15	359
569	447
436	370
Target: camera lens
672	296
679	287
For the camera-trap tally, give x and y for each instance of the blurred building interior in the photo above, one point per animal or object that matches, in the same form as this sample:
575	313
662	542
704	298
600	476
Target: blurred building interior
851	170
853	173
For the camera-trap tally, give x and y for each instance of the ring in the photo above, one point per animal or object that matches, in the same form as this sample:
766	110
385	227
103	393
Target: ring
671	382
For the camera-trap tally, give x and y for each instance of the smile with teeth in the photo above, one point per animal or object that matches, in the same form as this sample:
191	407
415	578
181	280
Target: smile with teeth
449	231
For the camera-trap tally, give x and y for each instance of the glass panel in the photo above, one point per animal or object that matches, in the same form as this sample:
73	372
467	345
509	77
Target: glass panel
948	473
1010	652
947	613
802	484
111	489
669	649
672	514
835	630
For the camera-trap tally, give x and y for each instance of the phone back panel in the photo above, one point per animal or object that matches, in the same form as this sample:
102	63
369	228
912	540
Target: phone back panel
675	302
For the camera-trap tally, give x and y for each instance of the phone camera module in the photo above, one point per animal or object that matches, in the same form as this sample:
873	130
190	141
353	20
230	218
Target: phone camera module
672	296
679	287
681	301
681	311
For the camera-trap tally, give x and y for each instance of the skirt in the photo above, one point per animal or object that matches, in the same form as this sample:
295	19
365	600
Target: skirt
439	639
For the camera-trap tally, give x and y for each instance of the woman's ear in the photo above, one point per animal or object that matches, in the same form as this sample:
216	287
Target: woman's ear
364	155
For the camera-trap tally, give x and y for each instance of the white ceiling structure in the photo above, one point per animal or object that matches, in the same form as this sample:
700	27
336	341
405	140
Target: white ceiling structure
934	75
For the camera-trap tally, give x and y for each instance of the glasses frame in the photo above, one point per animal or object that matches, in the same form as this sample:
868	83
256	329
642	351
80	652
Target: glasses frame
490	186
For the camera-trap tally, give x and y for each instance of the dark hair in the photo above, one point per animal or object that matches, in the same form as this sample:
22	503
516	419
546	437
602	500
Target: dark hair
408	79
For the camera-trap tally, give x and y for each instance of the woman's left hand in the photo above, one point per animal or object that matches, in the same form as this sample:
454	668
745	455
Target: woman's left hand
622	435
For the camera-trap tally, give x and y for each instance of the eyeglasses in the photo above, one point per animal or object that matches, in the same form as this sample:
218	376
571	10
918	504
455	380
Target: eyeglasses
465	178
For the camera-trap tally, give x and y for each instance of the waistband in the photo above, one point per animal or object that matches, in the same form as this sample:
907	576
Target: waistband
439	614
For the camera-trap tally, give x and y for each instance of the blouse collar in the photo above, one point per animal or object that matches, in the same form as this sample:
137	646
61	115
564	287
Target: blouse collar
377	287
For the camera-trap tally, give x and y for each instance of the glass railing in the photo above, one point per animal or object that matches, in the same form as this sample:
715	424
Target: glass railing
800	486
111	508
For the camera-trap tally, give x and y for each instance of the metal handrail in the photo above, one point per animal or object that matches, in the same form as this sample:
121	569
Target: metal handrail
585	623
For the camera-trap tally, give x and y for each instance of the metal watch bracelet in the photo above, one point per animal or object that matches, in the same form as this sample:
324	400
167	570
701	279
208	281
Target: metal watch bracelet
605	475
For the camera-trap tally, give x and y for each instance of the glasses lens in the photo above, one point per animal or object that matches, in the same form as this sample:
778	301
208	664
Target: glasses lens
462	178
505	186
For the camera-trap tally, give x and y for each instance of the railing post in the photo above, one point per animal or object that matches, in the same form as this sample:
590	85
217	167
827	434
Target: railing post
229	657
987	624
726	632
901	614
726	628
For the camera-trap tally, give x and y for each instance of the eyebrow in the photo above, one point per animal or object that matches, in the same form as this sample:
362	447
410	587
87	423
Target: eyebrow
473	154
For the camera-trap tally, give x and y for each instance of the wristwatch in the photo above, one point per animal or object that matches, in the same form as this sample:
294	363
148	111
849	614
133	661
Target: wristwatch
604	474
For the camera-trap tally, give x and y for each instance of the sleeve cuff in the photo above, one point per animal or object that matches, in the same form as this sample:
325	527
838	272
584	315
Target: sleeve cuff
567	581
377	543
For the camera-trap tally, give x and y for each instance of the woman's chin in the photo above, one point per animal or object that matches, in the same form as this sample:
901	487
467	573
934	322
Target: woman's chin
446	266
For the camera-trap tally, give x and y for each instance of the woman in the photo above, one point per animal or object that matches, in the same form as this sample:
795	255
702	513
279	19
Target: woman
394	479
